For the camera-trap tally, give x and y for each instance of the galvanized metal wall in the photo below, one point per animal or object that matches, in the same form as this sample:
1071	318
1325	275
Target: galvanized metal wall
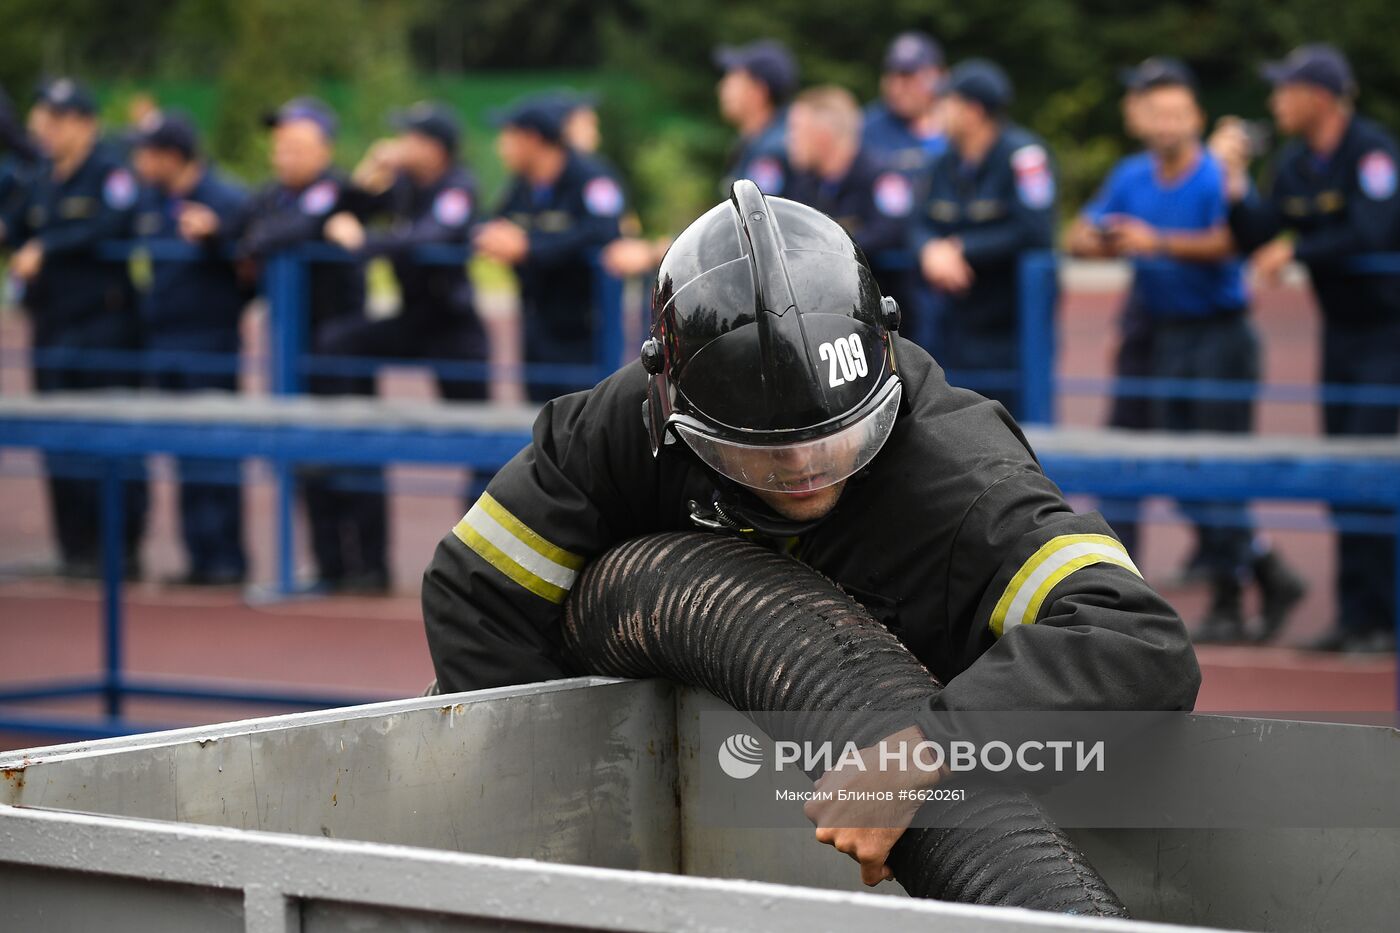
395	816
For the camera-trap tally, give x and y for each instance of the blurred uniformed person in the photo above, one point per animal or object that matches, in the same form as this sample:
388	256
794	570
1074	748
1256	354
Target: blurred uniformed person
305	203
416	183
991	198
79	198
906	124
759	78
1334	189
18	158
559	209
1164	210
195	306
581	131
836	174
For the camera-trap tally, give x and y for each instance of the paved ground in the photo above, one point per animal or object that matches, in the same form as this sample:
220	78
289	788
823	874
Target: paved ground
375	647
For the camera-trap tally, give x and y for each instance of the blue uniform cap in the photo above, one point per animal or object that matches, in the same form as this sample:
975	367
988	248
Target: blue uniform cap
571	100
543	114
305	108
768	60
911	51
64	95
981	81
431	119
1320	65
173	131
1158	71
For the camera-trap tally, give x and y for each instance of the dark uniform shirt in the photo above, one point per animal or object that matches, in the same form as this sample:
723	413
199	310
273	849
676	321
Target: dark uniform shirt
195	301
875	205
761	158
567	222
15	177
1341	206
280	218
421	216
79	299
872	202
891	137
952	538
999	208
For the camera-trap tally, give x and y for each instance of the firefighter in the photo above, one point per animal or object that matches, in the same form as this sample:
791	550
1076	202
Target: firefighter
768	404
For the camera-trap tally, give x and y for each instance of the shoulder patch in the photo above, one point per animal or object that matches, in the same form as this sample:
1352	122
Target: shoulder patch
602	197
767	173
452	207
1376	175
1035	184
894	195
119	190
319	198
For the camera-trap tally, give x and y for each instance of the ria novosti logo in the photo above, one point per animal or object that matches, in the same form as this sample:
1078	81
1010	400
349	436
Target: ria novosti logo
740	756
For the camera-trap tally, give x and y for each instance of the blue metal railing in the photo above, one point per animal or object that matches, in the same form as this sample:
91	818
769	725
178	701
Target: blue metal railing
288	364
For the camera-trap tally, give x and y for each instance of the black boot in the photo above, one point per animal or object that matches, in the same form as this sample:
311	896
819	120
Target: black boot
1280	590
1224	623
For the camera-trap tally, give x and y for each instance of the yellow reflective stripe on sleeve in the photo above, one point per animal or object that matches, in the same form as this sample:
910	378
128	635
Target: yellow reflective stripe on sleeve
526	534
507	544
1056	559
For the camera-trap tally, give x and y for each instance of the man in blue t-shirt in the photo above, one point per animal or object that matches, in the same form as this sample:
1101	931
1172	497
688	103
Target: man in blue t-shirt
1165	210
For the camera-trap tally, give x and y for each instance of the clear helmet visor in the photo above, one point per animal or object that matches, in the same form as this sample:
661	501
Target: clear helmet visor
804	466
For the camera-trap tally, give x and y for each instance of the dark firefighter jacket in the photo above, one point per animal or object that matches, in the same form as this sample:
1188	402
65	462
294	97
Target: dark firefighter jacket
952	537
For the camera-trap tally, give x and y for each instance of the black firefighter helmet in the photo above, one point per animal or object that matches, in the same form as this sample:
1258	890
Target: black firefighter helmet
771	352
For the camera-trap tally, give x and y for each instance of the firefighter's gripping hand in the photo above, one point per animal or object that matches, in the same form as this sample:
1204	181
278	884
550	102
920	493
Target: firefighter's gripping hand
851	814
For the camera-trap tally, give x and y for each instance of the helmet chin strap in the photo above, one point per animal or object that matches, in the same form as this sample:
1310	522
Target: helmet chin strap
734	509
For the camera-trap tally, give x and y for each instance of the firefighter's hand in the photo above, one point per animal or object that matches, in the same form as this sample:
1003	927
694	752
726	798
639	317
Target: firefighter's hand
1271	259
626	257
27	260
866	830
943	265
1230	146
346	231
197	221
377	169
503	241
1133	237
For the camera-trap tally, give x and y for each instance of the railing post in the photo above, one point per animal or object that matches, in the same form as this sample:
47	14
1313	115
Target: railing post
1395	518
287	294
609	329
1038	289
113	511
285	287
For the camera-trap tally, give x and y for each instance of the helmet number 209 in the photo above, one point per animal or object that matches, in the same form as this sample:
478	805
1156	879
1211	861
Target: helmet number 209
847	358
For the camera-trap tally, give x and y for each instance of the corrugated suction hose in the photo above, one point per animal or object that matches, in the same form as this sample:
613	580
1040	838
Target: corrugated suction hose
763	632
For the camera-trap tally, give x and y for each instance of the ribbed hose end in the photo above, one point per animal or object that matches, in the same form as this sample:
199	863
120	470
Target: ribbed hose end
765	633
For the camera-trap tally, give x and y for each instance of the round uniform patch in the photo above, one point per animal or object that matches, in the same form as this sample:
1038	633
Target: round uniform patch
894	196
1035	185
1376	173
119	190
767	173
319	198
452	207
603	197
